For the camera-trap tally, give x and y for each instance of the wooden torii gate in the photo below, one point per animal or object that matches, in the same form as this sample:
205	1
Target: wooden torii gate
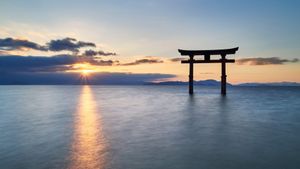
207	54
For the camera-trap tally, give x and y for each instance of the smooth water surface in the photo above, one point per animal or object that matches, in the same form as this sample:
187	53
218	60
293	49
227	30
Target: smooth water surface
149	127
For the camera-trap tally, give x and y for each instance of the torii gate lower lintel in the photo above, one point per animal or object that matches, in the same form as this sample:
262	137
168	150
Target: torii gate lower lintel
207	54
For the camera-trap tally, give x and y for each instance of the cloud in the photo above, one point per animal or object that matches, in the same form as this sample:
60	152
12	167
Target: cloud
146	60
90	53
102	78
57	45
100	62
18	44
176	59
264	61
68	44
102	53
35	64
15	63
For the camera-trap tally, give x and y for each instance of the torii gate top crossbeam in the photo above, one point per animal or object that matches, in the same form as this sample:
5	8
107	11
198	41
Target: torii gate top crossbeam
208	52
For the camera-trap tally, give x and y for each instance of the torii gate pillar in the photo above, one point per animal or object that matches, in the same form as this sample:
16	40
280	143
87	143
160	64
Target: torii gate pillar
223	76
191	75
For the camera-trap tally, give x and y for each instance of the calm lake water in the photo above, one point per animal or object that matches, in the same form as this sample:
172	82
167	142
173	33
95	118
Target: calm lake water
149	127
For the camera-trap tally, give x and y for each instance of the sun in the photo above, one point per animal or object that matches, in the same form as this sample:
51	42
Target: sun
85	69
86	72
85	75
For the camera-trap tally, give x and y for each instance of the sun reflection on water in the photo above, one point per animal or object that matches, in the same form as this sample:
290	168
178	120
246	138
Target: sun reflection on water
88	147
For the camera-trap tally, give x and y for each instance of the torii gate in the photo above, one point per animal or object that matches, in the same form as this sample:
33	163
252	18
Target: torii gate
207	54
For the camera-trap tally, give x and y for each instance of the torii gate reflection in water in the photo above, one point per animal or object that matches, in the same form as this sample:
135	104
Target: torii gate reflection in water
207	54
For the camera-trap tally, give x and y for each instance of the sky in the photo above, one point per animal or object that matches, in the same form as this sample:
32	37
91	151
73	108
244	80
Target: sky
139	39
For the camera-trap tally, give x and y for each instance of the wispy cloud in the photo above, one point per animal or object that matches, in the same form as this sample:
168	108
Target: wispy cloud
146	60
265	61
176	59
97	53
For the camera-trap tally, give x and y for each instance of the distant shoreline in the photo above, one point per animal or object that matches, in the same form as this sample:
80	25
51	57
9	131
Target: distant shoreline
218	83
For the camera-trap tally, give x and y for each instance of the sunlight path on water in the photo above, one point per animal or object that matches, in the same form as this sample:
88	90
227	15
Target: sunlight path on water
88	147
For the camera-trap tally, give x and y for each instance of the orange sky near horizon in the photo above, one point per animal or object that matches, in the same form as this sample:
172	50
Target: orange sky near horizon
235	73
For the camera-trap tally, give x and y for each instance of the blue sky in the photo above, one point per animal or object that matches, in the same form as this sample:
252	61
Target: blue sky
259	27
133	28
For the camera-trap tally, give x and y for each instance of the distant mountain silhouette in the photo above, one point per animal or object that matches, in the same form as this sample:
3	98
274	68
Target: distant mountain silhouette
212	82
209	82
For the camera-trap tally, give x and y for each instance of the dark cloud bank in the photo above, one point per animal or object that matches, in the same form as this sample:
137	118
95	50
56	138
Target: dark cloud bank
15	63
58	78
